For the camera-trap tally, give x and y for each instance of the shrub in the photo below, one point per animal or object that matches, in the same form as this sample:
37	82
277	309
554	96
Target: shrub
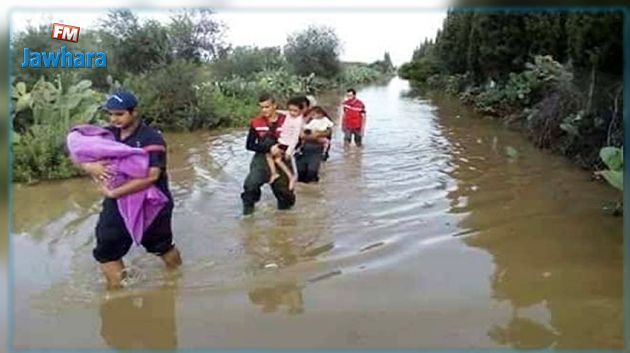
51	109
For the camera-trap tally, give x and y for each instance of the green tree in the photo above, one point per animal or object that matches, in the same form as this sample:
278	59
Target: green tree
134	47
196	35
245	61
387	60
454	41
596	40
314	50
496	45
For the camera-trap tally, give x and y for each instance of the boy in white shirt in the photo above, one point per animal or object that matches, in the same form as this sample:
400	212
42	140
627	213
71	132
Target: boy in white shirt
320	126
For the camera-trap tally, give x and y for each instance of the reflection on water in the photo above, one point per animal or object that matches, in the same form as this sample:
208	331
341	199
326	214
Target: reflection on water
270	299
551	245
274	245
149	320
431	236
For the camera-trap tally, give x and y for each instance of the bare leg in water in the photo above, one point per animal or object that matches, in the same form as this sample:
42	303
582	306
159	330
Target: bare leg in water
280	162
272	168
113	270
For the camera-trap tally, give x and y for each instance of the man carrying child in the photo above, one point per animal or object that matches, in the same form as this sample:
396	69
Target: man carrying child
262	139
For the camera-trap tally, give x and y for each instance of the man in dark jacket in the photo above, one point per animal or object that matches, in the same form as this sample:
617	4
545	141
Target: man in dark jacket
262	138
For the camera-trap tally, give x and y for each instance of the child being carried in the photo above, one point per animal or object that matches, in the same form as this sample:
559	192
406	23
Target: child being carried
320	126
288	140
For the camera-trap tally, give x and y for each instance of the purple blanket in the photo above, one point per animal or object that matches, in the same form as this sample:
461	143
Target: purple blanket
88	143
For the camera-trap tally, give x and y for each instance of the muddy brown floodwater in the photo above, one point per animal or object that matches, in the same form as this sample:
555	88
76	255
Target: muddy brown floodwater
433	235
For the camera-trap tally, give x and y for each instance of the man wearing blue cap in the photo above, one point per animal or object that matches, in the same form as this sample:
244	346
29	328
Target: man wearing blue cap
112	237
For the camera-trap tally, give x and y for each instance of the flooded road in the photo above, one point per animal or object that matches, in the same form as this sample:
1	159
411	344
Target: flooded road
442	231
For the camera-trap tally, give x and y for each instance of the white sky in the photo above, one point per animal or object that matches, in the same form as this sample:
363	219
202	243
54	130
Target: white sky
365	32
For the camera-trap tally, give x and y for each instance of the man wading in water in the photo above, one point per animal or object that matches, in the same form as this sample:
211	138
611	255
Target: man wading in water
353	119
262	138
113	239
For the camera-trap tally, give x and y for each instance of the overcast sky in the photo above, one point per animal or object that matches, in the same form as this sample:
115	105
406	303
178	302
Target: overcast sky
365	33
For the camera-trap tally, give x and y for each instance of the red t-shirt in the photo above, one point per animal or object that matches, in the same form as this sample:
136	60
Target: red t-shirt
353	110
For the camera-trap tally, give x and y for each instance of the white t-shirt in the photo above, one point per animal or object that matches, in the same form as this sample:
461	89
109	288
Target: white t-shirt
290	132
319	125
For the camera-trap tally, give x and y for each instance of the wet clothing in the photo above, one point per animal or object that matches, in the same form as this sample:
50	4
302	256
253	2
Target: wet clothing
319	125
112	237
290	133
261	137
353	110
349	133
312	152
309	161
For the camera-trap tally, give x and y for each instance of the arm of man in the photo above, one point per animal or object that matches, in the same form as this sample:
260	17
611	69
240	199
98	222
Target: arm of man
363	120
318	134
133	185
341	117
255	144
98	170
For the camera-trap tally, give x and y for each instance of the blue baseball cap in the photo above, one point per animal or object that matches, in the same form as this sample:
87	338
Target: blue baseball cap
121	101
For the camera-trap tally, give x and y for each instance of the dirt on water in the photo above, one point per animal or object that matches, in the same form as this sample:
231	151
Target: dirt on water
445	230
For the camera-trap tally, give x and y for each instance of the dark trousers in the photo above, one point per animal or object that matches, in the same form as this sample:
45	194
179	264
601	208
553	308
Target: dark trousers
308	162
348	133
258	176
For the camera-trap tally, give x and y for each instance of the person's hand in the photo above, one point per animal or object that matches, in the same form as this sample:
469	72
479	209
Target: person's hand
106	191
99	170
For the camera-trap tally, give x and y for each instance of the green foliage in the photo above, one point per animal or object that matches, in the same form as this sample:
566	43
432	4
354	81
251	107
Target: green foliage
452	43
451	84
493	44
613	158
424	64
384	66
246	61
181	97
595	39
314	51
511	152
525	88
353	75
53	108
419	70
195	35
280	82
167	95
134	47
555	74
217	109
